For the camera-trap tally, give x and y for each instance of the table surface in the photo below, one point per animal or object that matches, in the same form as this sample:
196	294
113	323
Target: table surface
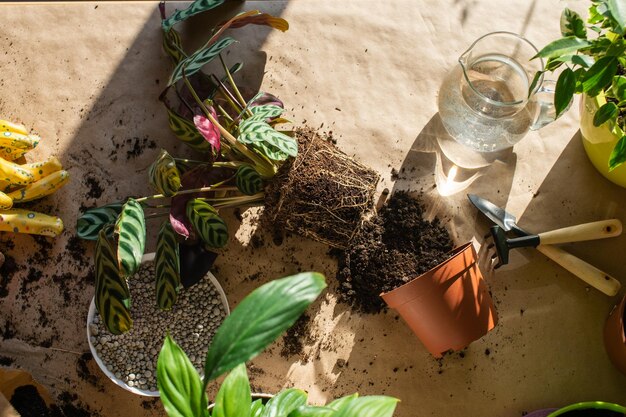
86	77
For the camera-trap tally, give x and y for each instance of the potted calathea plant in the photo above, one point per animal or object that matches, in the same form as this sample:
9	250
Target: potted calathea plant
592	57
258	320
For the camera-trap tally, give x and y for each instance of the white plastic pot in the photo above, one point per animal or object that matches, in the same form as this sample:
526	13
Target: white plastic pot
92	312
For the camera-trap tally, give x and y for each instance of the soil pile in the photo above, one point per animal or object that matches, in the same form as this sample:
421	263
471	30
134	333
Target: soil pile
391	249
322	194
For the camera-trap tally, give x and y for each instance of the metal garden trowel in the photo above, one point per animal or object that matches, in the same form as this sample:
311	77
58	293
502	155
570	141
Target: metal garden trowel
543	242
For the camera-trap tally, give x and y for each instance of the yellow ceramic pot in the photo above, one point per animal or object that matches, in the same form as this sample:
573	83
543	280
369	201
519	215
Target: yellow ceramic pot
599	141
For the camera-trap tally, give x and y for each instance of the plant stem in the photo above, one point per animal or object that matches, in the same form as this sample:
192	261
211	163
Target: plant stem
214	187
232	83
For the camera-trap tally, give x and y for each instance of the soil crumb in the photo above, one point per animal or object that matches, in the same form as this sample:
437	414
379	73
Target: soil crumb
390	249
296	336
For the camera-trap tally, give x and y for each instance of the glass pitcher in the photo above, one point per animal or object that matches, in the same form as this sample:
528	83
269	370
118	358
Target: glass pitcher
485	103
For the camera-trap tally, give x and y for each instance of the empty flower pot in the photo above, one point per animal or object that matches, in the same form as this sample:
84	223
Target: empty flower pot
615	336
449	306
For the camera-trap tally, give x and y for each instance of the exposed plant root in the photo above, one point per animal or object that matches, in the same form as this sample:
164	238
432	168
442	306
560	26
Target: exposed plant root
323	194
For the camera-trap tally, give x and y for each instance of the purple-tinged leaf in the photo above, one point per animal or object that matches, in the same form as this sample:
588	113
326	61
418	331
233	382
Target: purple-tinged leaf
198	177
262	99
208	130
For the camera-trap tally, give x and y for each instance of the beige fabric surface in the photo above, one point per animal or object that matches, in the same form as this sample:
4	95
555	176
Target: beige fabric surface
86	77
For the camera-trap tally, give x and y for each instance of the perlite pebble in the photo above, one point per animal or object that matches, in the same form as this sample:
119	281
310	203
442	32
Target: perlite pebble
192	322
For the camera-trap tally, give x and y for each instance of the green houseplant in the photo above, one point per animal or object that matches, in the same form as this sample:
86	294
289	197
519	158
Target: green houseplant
592	57
255	323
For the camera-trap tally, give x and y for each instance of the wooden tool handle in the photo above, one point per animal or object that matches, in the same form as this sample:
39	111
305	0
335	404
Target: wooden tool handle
583	270
586	231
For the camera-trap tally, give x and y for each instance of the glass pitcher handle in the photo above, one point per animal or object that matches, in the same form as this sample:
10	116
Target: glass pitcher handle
544	97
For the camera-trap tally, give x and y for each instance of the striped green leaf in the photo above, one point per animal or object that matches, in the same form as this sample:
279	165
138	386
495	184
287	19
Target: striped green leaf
164	175
198	59
93	220
259	133
172	44
196	7
207	223
131	231
248	180
167	267
187	132
112	295
268	111
256	408
270	151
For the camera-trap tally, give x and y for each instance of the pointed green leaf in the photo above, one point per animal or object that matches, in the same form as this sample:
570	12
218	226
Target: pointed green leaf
582	60
173	47
267	111
131	231
210	226
93	220
618	155
257	407
186	131
339	402
617	8
180	386
312	411
261	134
562	46
234	398
194	8
600	75
284	403
608	111
260	319
112	296
167	267
572	24
618	87
164	175
200	58
369	406
535	83
565	87
248	180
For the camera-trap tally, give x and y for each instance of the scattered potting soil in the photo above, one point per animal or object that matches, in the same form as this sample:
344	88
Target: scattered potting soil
389	250
95	189
28	403
6	361
294	339
322	194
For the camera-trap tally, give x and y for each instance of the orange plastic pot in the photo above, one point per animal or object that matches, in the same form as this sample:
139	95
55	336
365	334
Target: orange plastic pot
449	306
615	336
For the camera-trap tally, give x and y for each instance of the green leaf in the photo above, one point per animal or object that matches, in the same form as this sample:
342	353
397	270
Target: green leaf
234	398
210	226
196	7
580	74
167	267
618	155
565	87
599	75
200	58
339	402
617	8
562	46
164	175
93	220
582	60
186	131
180	386
261	134
370	406
112	296
260	319
257	407
594	16
131	231
172	45
534	83
248	180
284	403
607	112
267	111
312	411
572	24
618	87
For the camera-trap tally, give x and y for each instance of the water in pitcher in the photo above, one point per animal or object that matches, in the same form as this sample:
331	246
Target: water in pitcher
491	111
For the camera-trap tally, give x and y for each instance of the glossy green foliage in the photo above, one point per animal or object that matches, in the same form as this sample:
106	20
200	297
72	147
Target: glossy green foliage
167	267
